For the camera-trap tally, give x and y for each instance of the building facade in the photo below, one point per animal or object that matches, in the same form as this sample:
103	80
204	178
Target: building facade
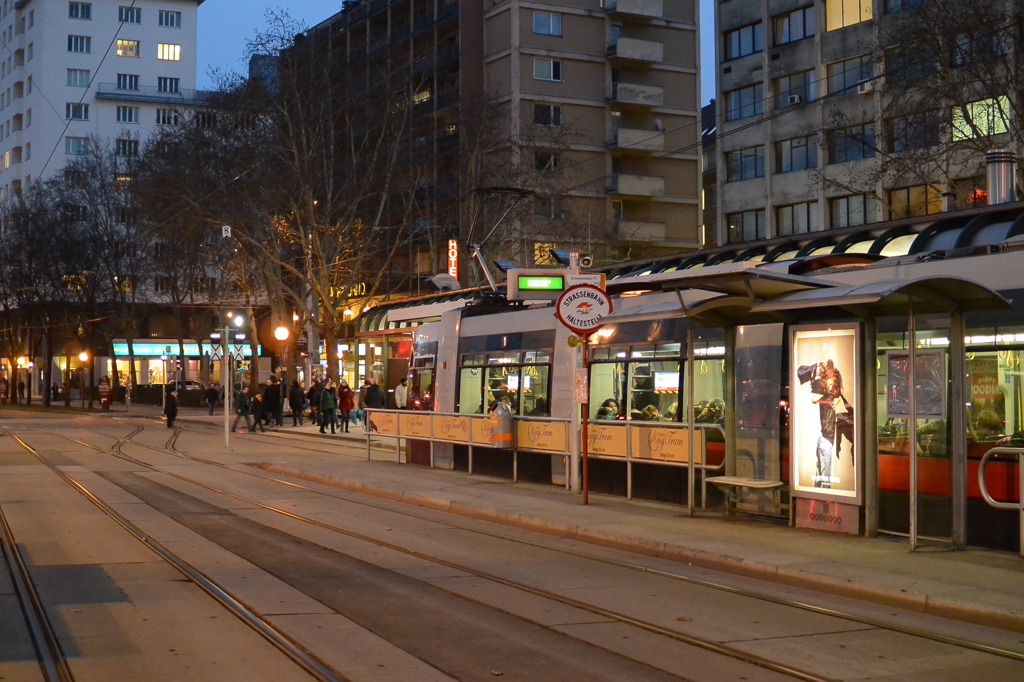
109	70
595	103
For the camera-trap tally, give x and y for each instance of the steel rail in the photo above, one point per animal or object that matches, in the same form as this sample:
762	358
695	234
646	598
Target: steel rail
743	592
290	647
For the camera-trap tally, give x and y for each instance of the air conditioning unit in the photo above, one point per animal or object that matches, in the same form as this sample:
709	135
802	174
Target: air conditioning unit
865	88
795	99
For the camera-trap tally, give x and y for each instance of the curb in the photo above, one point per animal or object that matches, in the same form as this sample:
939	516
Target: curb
359	441
912	601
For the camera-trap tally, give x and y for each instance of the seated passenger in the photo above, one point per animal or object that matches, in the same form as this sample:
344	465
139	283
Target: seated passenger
540	408
613	406
651	414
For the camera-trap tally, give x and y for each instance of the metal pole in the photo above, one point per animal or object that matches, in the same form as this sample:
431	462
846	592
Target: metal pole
912	425
471	452
869	427
691	474
228	384
574	464
515	466
958	427
730	408
584	419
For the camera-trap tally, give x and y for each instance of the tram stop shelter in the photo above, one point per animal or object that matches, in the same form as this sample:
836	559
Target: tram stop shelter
825	319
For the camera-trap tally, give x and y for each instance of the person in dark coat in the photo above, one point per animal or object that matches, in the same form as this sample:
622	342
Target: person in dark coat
314	401
328	406
272	401
242	404
212	396
258	408
297	401
171	408
375	398
346	403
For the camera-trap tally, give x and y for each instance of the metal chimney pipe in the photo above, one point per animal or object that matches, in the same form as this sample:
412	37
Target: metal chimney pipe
1001	176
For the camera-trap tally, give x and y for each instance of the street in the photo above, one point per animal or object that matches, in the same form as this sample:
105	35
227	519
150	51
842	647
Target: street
158	555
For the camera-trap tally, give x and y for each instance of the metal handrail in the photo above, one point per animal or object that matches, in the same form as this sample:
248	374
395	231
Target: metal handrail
991	501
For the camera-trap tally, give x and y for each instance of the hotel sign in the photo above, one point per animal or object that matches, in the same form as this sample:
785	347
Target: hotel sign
453	258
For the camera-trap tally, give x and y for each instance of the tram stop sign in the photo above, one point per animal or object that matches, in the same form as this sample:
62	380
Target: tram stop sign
582	307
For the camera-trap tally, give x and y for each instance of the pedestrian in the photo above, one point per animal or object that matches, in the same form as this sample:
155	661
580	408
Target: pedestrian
284	397
272	401
21	391
313	396
346	402
375	398
258	408
402	394
328	406
297	401
212	396
362	401
54	392
242	404
171	408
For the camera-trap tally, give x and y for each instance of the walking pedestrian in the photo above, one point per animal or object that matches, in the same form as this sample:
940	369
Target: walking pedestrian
328	406
346	401
171	408
313	396
297	401
242	404
258	408
212	396
272	401
285	386
375	398
21	391
402	394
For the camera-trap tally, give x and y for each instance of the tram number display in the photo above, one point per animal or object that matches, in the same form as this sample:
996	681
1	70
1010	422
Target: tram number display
930	371
825	411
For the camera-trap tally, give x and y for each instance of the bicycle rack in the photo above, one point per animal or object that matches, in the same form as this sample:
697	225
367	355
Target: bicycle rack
1009	506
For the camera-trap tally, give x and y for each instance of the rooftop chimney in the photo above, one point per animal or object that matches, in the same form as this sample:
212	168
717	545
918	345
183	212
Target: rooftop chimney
1001	176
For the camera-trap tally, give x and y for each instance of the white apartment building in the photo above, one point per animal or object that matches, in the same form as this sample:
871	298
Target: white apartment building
71	71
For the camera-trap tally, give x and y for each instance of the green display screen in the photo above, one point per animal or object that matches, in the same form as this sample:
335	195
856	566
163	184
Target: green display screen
534	283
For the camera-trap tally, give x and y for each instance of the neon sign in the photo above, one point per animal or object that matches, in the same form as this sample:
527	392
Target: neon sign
453	258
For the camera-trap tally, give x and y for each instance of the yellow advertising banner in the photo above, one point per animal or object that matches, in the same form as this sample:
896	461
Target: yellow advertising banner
414	424
546	436
383	423
481	430
609	441
668	445
455	429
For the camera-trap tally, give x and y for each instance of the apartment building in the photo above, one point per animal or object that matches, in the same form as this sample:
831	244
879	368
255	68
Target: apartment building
598	98
112	70
825	119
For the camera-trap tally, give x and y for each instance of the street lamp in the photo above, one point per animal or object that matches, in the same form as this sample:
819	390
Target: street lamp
83	358
281	333
225	369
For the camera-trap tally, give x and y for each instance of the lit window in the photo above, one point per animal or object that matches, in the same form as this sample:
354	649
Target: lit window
76	112
128	48
797	154
168	52
840	13
983	118
127	114
129	15
547	115
169	19
745	164
127	81
909	202
547	24
744	41
76	145
79	10
547	69
168	84
80	44
795	25
747	226
78	78
797	218
542	253
744	102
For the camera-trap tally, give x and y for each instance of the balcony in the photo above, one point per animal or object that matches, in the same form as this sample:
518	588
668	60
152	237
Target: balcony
636	50
148	93
637	185
634	94
635	9
633	140
638	231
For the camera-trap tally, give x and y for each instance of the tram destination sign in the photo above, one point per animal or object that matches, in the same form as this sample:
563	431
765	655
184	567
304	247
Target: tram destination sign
582	307
547	284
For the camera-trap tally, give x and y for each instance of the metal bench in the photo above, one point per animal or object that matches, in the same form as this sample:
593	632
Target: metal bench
738	488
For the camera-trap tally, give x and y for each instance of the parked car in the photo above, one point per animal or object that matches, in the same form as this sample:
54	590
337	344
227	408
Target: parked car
185	386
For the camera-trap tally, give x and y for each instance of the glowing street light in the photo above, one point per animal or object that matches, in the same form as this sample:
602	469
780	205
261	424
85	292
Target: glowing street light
83	356
281	333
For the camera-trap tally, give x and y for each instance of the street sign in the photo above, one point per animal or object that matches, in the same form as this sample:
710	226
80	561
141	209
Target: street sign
238	351
582	307
214	353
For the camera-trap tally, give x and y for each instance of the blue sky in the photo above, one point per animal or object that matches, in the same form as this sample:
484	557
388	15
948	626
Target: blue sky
224	26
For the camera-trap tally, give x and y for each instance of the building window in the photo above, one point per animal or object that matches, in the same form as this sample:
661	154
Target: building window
128	48
797	154
747	226
916	131
127	81
905	63
127	147
971	192
127	114
744	41
129	15
745	164
547	115
28	118
617	210
168	84
858	209
547	24
166	117
983	118
79	10
28	151
744	102
76	112
797	218
30	52
795	89
547	69
909	202
169	19
78	78
80	44
168	52
796	25
163	284
894	6
546	161
977	48
847	74
852	144
547	207
76	145
840	13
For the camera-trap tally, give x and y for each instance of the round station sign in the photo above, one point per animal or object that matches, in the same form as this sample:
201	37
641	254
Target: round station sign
582	307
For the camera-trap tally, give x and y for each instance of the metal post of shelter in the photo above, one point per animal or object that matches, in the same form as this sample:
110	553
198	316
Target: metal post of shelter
869	430
730	407
912	423
958	427
691	474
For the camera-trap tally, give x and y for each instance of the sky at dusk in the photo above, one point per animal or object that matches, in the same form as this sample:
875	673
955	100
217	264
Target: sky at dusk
224	26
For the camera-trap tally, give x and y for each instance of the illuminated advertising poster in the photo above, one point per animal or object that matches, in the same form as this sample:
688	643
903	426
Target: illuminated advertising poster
824	398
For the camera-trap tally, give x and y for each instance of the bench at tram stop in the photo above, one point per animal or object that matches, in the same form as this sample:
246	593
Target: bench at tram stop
739	489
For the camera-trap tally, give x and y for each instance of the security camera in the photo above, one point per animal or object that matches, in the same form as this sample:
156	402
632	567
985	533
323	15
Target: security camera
586	261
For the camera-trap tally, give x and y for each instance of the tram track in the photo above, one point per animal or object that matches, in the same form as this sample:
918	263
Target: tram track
171	449
715	647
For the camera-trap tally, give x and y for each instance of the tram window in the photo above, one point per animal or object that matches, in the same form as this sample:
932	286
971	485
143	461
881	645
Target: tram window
608	390
471	390
654	392
641	385
520	379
